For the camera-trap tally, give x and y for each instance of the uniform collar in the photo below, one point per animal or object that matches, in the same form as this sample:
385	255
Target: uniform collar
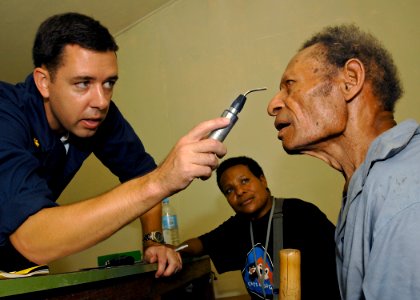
44	138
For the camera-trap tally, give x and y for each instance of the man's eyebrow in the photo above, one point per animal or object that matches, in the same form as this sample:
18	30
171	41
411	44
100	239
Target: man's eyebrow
82	78
113	78
88	78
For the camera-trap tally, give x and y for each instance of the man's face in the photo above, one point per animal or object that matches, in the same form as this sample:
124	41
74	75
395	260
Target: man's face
245	193
309	109
78	97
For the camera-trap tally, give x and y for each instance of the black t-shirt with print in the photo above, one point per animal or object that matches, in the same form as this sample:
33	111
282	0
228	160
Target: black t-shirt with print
305	228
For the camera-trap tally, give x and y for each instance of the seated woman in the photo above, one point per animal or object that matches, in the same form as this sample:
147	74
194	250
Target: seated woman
245	241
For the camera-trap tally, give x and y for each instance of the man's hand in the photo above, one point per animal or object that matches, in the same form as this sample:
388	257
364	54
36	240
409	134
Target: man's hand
193	156
169	262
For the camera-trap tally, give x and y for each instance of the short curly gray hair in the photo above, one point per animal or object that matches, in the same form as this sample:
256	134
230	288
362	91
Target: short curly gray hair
347	41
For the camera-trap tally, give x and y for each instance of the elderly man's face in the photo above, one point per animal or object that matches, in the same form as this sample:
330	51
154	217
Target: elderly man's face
309	109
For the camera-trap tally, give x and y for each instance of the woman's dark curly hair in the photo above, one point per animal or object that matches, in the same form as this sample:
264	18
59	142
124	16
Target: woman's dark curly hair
251	164
343	42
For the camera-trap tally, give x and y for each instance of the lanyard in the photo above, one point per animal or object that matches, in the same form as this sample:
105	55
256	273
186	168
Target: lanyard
267	238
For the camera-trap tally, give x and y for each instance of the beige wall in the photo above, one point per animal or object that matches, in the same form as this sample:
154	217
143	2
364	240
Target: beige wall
188	61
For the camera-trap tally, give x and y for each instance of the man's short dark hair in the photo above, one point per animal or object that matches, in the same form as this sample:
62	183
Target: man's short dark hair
252	165
69	29
341	43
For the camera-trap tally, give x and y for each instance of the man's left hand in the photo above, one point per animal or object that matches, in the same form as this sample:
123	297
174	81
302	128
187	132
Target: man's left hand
169	262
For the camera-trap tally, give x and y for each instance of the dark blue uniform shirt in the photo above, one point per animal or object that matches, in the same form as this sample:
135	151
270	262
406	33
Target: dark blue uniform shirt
34	166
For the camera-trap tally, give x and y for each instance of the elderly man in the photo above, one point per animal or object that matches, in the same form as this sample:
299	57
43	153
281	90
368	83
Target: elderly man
336	102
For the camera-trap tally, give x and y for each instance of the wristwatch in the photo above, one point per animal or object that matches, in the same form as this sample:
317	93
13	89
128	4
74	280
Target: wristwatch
154	236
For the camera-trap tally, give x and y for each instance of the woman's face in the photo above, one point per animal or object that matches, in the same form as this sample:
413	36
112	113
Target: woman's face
246	193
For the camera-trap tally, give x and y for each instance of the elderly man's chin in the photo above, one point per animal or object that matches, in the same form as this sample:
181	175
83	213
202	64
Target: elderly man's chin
292	149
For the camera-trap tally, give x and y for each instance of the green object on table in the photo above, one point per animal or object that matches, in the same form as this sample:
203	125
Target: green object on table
104	258
18	286
139	277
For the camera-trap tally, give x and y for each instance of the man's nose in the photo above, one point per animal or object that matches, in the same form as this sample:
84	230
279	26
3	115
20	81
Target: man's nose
275	105
100	98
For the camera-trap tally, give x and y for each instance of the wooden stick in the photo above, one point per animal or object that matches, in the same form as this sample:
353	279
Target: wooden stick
289	274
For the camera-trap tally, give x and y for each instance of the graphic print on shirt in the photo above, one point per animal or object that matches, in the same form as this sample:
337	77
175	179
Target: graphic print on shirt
251	269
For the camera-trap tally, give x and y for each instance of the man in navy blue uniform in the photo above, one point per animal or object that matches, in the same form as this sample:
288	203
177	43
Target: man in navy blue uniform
52	122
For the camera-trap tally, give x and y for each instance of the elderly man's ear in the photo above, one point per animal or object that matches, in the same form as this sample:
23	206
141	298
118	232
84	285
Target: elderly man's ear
353	78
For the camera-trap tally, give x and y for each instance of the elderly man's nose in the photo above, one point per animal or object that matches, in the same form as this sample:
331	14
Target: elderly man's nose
275	105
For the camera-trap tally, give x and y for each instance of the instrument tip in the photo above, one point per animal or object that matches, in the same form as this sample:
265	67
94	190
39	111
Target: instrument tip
255	90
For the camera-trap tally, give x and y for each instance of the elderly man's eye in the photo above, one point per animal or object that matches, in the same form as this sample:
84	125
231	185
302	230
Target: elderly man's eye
289	82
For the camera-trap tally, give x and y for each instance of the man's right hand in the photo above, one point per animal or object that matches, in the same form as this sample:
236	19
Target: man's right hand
193	156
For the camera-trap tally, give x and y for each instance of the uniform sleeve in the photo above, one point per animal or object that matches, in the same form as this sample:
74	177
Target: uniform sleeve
119	148
22	191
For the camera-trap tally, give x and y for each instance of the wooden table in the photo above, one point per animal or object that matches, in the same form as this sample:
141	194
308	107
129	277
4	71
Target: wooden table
124	282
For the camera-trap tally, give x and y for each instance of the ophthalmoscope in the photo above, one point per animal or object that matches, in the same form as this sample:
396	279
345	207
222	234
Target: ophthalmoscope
232	114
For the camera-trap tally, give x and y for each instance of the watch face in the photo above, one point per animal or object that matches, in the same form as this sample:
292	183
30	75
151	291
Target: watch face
157	236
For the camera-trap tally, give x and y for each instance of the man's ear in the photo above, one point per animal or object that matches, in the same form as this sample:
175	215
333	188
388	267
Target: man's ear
354	78
42	81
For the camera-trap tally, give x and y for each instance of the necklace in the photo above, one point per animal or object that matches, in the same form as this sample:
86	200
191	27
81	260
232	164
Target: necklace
267	238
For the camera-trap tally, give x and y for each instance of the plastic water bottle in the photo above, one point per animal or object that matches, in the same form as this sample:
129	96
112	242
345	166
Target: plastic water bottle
169	223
